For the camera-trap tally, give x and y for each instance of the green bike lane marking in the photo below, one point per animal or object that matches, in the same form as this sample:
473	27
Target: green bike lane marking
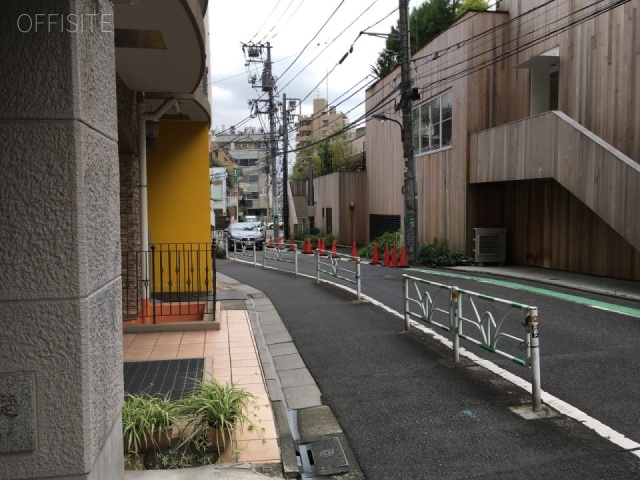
612	307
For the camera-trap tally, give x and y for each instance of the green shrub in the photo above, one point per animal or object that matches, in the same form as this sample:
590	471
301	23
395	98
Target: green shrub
142	416
390	238
438	254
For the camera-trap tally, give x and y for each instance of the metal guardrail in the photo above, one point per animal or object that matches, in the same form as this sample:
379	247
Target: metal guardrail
287	254
487	328
329	263
169	280
245	250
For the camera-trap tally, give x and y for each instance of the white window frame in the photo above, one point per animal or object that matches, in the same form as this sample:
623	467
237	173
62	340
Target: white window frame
430	121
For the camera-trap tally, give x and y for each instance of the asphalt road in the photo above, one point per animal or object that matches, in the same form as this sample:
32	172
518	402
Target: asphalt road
588	359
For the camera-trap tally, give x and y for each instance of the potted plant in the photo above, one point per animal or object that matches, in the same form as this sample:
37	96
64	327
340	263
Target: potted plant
147	422
217	411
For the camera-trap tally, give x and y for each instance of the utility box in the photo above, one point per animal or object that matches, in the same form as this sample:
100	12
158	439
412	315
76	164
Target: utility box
490	245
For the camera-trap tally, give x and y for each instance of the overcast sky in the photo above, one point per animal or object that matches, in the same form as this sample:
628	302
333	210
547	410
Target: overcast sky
289	25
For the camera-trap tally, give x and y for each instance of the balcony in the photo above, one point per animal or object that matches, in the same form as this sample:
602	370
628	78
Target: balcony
552	145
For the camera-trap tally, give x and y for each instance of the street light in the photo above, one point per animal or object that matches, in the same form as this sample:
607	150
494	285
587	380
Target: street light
384	118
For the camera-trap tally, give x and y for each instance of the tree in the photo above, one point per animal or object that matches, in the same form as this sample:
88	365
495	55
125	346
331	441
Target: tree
426	21
328	156
471	5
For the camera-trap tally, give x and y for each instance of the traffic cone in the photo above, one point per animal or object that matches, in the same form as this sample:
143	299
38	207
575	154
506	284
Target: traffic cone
394	257
334	251
375	260
292	245
321	247
403	258
306	248
354	250
270	242
280	246
385	260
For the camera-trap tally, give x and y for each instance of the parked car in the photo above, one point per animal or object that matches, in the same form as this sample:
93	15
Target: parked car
270	225
247	233
253	219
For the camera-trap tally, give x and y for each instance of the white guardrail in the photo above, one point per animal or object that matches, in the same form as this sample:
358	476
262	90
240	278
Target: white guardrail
330	263
288	253
486	327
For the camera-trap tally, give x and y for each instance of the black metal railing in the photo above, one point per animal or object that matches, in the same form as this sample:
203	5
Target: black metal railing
171	279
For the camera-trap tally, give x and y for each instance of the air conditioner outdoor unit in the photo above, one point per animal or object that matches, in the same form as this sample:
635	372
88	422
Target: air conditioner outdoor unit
489	245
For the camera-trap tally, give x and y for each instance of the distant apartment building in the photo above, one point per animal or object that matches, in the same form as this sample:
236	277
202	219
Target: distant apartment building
324	121
249	150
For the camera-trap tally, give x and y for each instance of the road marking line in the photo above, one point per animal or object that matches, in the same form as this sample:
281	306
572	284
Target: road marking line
600	428
611	307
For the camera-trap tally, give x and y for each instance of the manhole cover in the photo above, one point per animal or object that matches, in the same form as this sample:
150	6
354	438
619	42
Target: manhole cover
323	457
175	378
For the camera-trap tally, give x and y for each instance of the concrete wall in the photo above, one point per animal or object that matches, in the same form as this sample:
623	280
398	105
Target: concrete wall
60	305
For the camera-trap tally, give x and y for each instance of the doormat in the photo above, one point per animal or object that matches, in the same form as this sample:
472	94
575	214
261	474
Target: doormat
174	378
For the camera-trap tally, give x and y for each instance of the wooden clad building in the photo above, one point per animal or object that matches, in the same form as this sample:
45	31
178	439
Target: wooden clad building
529	119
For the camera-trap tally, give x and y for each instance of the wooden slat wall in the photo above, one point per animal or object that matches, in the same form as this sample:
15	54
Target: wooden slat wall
442	176
552	145
599	82
599	65
549	227
336	191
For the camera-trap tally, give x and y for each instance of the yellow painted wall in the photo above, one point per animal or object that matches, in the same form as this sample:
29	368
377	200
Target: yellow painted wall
178	184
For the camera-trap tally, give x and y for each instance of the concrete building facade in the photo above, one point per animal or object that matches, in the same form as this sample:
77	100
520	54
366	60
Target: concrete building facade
320	124
70	179
249	150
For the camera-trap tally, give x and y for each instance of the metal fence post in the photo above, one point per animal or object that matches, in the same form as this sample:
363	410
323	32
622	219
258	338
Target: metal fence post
295	259
454	322
255	255
358	286
405	288
532	331
317	266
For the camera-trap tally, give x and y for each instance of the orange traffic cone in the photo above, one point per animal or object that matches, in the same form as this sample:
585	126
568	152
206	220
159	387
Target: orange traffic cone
334	251
270	242
385	260
280	246
394	257
321	247
403	258
354	250
292	245
306	247
375	260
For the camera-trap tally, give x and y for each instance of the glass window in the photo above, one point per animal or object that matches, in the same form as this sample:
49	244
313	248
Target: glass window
433	123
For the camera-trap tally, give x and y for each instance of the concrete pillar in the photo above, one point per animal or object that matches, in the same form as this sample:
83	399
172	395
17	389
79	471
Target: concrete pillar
60	303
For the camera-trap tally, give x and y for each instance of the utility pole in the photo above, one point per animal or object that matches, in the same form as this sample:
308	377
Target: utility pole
285	167
267	86
409	187
254	54
286	110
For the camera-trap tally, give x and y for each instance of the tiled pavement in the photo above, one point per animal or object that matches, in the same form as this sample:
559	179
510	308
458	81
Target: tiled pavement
235	360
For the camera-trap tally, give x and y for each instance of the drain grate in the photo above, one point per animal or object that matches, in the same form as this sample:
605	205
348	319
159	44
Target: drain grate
174	378
322	457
